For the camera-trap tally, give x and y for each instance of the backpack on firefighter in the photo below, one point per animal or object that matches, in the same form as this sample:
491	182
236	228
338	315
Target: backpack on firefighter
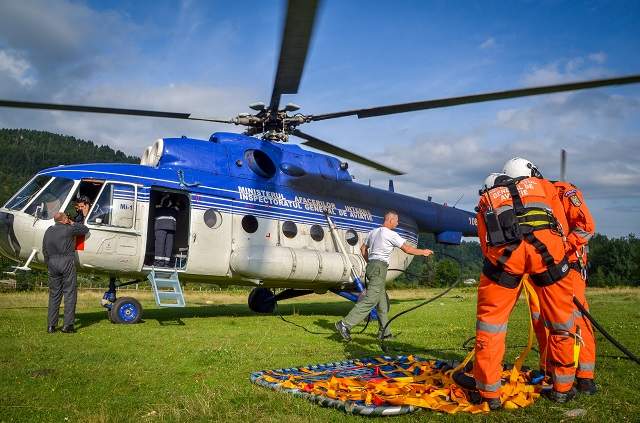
509	223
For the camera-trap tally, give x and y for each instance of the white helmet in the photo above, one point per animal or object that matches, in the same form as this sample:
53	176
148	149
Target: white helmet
518	167
490	180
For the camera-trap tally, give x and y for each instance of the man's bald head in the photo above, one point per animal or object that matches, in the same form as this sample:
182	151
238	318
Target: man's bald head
60	217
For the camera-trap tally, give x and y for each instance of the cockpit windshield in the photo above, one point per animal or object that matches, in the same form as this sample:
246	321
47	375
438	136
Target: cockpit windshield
22	198
50	200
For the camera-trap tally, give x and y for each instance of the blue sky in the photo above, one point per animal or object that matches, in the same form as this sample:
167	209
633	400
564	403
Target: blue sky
214	58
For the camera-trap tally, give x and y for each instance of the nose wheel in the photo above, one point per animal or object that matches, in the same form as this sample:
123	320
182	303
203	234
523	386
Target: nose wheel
126	310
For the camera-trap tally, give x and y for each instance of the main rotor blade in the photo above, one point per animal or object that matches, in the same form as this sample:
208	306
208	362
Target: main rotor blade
296	36
318	144
477	98
108	110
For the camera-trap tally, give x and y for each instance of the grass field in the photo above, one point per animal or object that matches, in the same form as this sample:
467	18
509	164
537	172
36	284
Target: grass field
193	364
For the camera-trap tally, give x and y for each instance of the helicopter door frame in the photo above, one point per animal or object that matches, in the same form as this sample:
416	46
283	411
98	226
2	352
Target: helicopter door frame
183	224
113	247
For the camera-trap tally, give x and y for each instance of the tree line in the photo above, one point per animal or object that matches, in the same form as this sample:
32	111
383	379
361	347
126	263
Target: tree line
611	262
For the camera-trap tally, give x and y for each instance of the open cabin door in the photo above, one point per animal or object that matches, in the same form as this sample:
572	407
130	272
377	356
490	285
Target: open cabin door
167	245
210	240
114	240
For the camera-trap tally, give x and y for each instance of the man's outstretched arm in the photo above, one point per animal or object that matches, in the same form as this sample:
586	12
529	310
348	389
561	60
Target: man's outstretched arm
415	251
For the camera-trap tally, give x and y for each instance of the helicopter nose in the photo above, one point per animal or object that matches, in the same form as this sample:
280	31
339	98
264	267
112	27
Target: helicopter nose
9	245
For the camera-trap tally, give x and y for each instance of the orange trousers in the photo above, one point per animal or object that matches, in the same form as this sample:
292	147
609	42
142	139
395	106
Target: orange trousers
587	359
495	304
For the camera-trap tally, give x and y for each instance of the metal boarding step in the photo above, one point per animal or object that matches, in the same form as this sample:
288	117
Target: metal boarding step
166	288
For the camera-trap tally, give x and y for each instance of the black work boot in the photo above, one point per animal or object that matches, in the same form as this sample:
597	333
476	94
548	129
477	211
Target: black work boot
343	330
559	397
587	386
51	329
476	398
68	329
494	403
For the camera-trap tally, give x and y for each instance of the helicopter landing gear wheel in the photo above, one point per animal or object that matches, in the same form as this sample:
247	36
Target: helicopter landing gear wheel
262	300
126	310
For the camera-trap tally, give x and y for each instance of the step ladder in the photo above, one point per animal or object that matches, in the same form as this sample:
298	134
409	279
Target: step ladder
166	288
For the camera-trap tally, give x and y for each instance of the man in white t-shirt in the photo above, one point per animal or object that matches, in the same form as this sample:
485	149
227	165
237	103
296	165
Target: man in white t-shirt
376	250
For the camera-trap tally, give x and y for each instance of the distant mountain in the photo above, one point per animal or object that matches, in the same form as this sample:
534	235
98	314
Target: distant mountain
24	152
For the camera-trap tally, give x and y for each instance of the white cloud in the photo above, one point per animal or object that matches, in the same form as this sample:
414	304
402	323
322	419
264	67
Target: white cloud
16	68
599	57
488	43
64	45
572	69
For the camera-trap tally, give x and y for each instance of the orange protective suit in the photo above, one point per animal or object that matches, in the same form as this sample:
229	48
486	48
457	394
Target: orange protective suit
580	230
499	291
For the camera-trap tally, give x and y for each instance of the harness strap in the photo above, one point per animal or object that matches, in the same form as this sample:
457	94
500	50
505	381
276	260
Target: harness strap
508	250
500	276
554	271
575	266
515	197
540	248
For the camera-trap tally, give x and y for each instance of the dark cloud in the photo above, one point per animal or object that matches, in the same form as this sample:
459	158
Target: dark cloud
63	44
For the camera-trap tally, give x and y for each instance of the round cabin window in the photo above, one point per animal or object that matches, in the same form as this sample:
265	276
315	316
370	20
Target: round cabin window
289	229
212	218
260	163
249	224
351	236
317	233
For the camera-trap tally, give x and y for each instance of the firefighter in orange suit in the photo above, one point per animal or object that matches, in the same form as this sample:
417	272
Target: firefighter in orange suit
580	230
521	224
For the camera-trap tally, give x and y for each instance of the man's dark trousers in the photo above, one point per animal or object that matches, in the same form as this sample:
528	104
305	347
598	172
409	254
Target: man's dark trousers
62	280
164	245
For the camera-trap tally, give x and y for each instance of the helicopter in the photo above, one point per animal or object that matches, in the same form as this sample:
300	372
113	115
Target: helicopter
253	209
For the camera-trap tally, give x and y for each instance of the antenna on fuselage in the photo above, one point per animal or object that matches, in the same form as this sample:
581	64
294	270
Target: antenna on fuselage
458	200
391	185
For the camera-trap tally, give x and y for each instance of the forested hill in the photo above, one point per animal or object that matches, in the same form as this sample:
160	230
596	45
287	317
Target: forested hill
24	152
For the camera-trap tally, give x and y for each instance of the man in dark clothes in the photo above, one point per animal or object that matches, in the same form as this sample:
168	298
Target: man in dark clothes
82	206
58	248
165	230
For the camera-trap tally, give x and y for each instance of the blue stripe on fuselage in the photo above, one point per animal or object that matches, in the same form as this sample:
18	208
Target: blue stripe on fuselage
431	217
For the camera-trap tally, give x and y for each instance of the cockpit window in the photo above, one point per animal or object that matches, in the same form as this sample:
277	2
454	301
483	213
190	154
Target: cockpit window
50	200
22	198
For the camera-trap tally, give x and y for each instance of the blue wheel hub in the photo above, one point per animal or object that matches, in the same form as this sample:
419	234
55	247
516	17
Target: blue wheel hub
128	312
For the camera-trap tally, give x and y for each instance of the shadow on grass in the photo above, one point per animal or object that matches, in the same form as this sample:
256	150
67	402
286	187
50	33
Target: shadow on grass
367	344
175	316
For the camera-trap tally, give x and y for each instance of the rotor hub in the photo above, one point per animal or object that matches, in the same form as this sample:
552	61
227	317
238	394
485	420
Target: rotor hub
274	126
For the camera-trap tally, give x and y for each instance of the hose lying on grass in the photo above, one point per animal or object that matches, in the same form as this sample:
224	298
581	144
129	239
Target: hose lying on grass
606	334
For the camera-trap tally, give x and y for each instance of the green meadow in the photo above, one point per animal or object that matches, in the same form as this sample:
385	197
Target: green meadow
193	364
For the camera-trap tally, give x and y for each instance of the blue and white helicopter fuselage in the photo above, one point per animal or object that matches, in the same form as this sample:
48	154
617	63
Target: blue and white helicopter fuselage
252	212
